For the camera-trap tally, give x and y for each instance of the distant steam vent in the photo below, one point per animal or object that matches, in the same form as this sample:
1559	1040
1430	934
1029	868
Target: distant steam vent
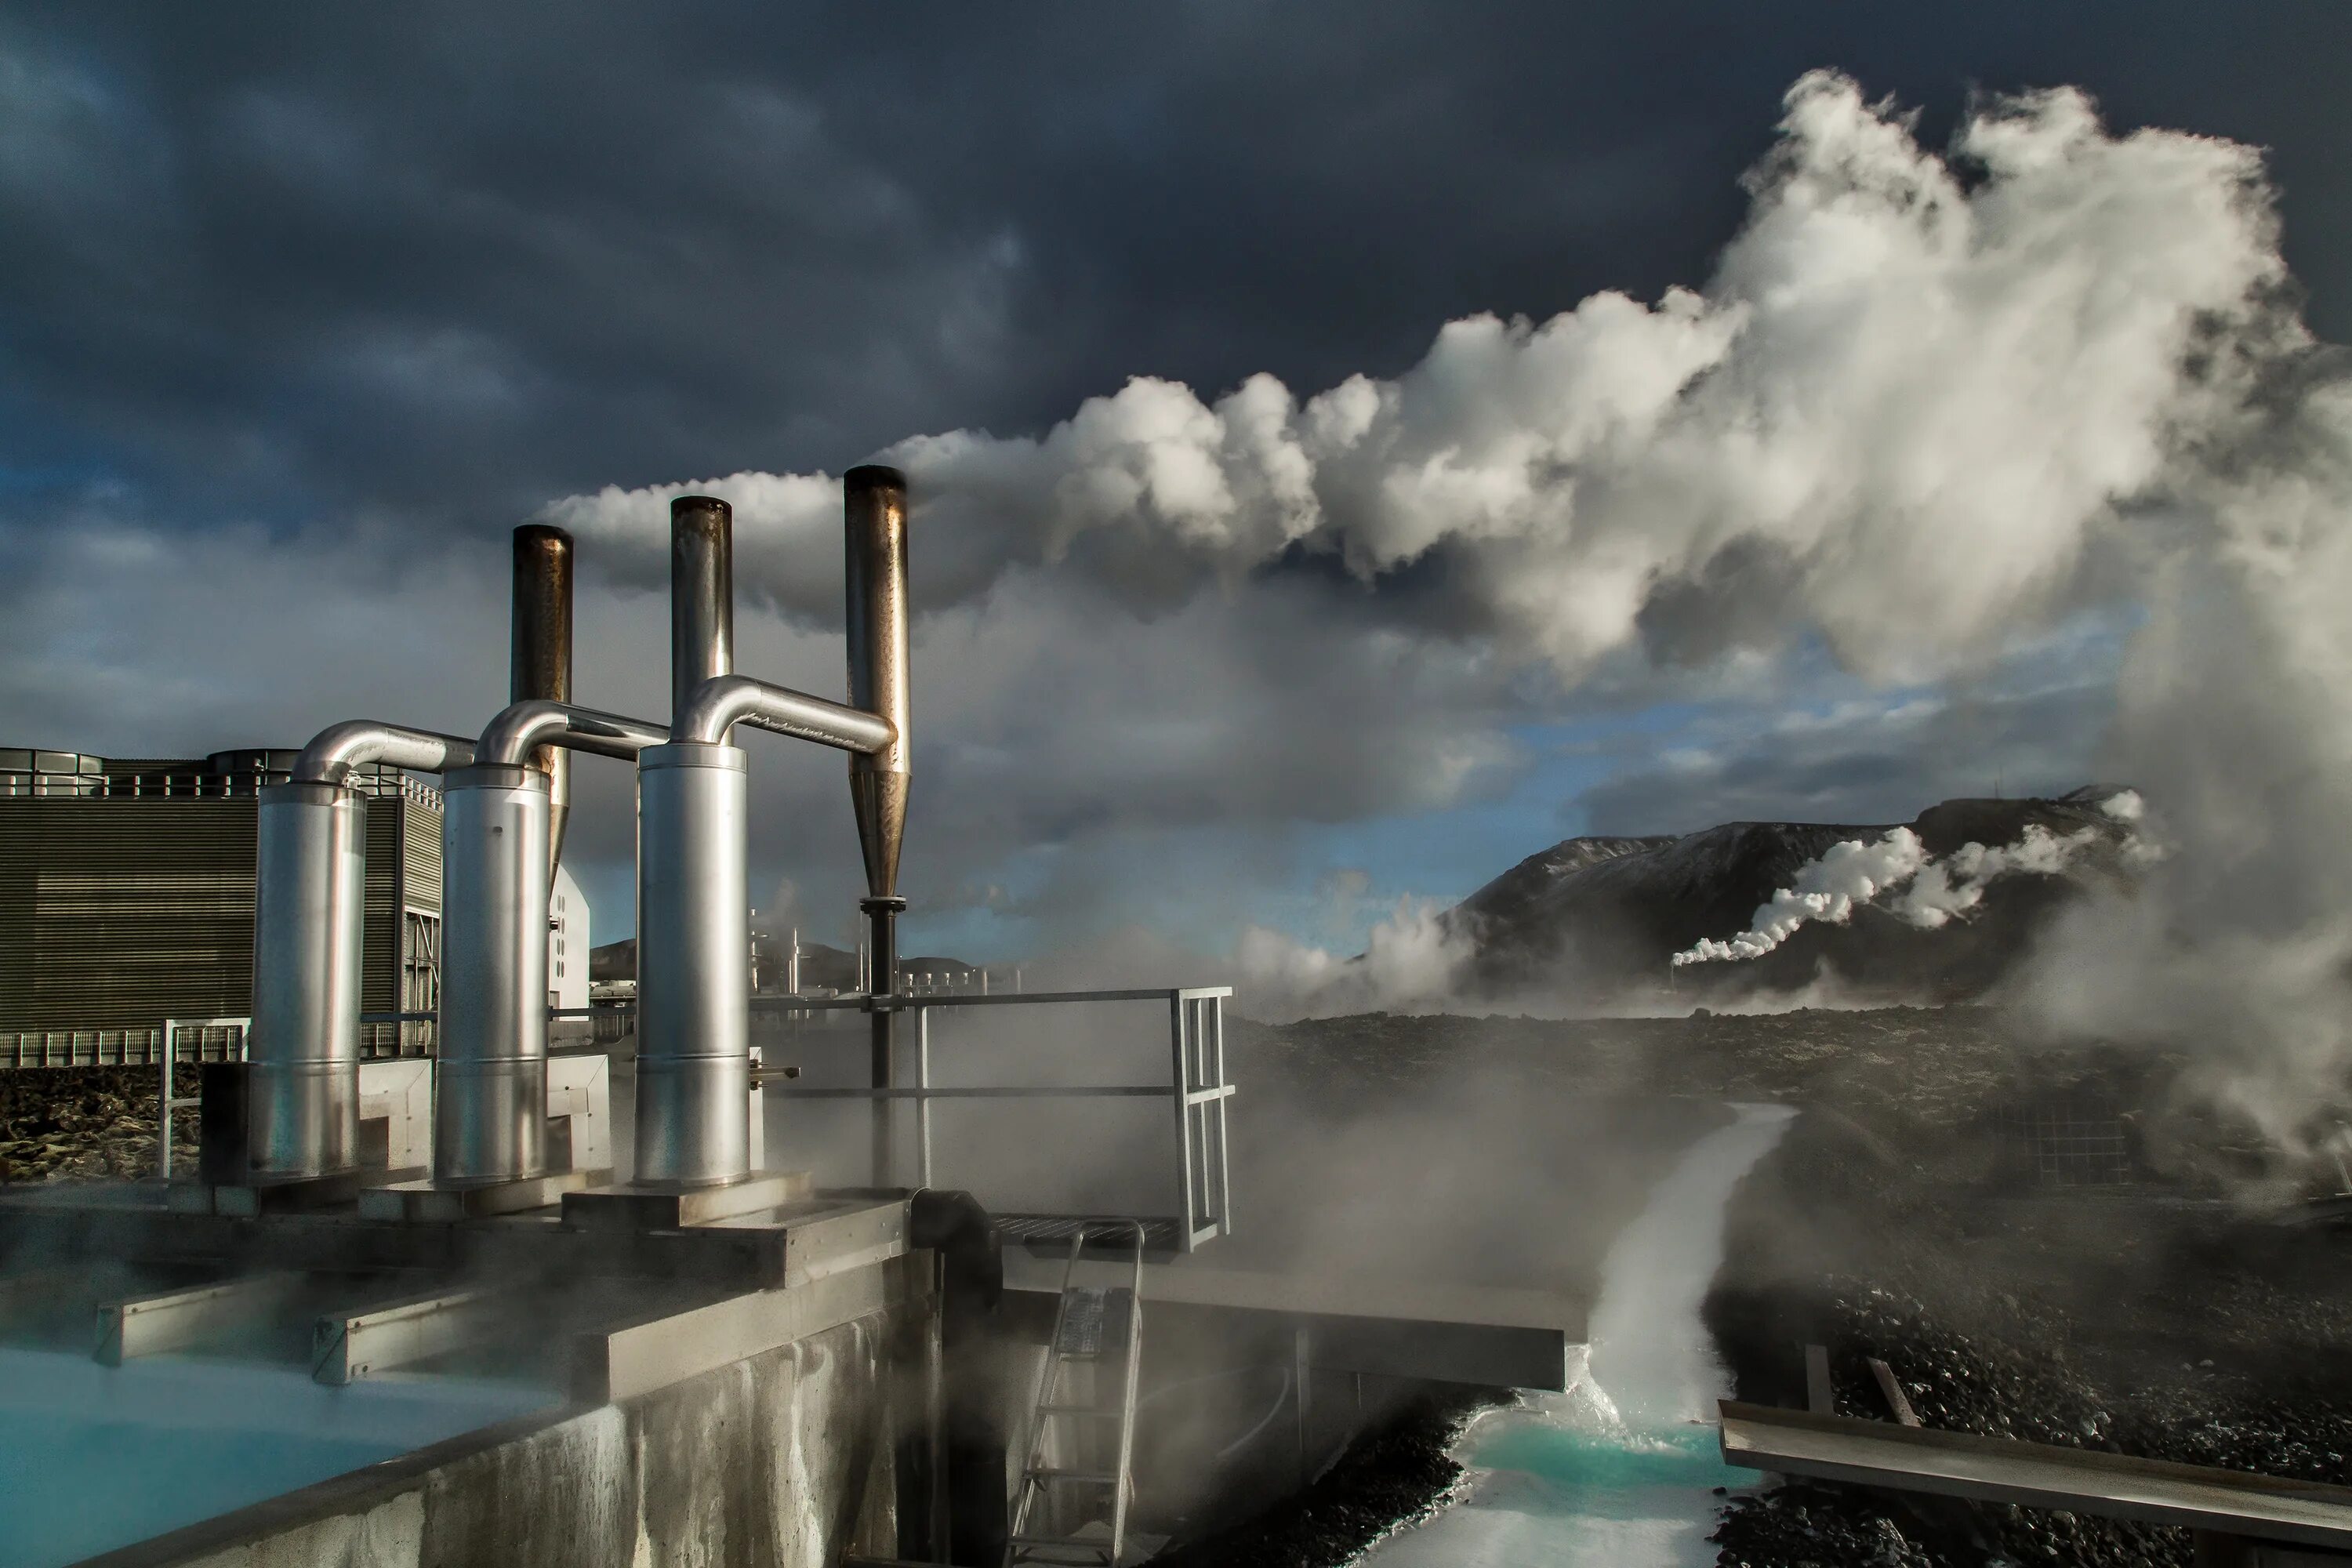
1939	907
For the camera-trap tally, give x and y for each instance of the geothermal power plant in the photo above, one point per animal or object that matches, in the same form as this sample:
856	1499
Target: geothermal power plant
528	1303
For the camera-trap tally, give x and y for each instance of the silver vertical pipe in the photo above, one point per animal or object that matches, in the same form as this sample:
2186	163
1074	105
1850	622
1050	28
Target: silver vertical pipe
490	1093
874	536
701	594
540	661
302	1086
694	1015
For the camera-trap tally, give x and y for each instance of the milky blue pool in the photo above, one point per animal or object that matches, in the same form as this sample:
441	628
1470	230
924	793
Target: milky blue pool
93	1458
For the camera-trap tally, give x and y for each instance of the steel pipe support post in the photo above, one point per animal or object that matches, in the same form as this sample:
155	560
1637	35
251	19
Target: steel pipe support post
882	918
302	1085
694	939
490	1093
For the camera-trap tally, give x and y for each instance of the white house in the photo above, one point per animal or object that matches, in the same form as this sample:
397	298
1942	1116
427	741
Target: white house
567	943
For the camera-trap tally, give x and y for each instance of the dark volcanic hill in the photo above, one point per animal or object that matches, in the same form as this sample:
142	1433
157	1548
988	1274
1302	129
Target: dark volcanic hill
1607	914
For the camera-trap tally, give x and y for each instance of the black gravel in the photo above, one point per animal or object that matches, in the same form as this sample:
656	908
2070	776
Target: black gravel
81	1124
1399	1471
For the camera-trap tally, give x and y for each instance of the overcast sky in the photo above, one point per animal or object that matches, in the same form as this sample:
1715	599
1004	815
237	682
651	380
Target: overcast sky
302	308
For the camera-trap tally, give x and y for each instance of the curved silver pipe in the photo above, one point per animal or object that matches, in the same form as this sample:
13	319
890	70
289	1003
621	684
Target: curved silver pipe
490	1115
725	700
302	1089
511	737
693	927
336	750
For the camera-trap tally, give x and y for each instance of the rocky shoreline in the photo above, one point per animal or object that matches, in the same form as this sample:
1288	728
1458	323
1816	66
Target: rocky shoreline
2131	1320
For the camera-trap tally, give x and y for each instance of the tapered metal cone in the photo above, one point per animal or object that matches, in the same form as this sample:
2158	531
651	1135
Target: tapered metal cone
880	800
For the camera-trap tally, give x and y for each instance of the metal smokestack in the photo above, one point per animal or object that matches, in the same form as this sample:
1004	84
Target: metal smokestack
701	596
874	517
541	665
694	1059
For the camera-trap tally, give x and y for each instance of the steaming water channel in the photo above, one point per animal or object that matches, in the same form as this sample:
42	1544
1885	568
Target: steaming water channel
93	1458
1619	1470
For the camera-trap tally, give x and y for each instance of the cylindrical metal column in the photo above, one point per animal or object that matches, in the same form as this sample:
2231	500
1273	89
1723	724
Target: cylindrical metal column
874	507
874	537
303	1086
694	944
541	665
701	594
490	1093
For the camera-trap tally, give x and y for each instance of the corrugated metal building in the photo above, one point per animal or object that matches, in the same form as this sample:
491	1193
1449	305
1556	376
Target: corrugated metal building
126	891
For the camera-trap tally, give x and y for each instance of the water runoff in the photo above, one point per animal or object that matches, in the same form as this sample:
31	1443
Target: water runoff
1619	1471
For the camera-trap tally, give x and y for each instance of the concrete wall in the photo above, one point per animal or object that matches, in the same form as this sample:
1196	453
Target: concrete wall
781	1461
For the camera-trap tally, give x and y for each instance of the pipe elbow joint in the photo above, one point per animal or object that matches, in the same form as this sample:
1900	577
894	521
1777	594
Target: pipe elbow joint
336	750
723	701
537	721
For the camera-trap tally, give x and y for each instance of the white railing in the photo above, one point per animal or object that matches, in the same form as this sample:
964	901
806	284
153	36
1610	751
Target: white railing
224	1036
1196	1085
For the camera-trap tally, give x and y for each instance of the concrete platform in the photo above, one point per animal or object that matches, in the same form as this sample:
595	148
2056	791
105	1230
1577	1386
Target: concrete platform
427	1201
1390	1328
247	1200
2229	1503
101	1223
633	1207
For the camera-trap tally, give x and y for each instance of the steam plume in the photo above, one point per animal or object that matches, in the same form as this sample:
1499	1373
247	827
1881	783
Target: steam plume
1849	874
1413	962
1927	404
1853	873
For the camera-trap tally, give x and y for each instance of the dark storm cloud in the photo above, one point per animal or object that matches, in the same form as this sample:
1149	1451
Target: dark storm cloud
449	262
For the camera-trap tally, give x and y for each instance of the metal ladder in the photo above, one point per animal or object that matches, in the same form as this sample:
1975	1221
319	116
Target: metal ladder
1093	1324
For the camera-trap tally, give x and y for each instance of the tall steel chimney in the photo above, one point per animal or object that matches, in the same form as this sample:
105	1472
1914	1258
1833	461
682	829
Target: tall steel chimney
874	505
701	594
874	518
541	666
694	926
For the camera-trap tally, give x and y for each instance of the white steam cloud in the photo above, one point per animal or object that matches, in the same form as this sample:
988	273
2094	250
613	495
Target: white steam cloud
1849	874
1904	411
1928	403
1957	883
1853	873
1412	962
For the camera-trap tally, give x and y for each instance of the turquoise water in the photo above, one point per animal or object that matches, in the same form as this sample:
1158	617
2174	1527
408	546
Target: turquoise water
1619	1472
92	1457
1541	1492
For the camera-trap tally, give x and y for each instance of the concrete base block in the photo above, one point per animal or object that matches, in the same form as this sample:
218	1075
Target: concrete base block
265	1194
428	1202
634	1207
